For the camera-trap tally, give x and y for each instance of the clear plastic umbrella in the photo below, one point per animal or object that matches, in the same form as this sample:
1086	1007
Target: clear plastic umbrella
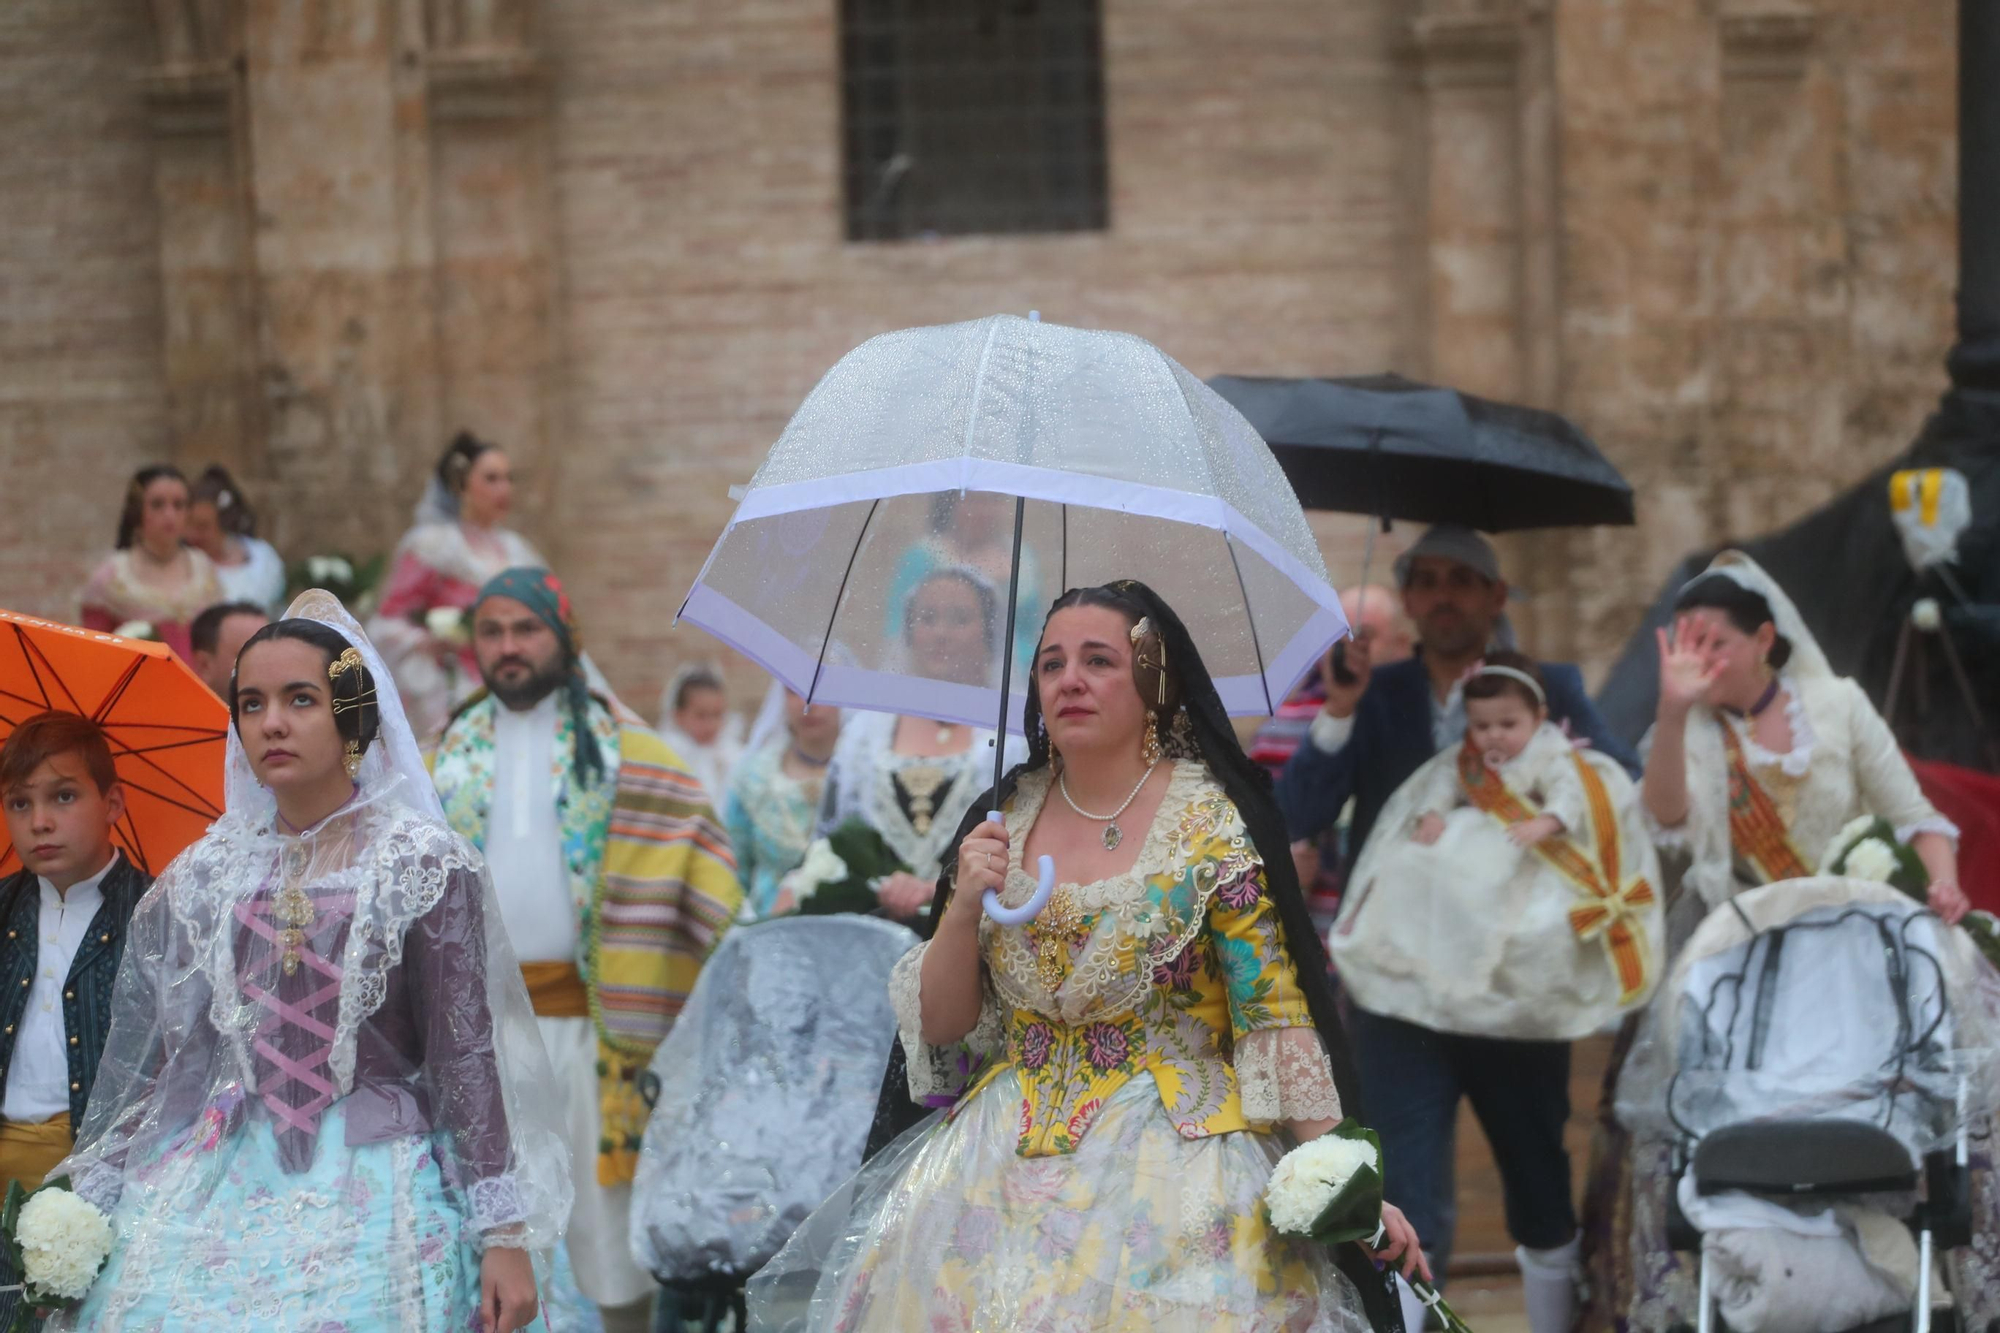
941	486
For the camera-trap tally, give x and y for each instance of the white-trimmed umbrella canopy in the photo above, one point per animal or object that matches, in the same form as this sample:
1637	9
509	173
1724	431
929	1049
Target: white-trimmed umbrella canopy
1129	466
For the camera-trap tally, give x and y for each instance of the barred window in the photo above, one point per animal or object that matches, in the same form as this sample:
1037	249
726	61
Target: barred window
972	116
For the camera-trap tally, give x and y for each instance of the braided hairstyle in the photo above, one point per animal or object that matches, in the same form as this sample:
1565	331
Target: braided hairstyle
1189	694
351	690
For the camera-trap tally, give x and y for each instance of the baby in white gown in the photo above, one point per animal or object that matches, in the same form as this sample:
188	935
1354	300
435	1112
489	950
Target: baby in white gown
1509	887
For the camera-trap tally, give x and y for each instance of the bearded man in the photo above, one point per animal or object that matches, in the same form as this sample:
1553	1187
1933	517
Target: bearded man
614	879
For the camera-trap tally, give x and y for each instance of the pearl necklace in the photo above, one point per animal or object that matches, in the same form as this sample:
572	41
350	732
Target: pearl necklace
1113	835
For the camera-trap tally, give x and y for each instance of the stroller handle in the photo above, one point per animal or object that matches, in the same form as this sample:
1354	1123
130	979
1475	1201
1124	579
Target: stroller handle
1045	884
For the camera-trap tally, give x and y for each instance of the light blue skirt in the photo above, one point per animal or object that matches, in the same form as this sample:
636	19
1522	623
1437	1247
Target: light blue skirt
214	1234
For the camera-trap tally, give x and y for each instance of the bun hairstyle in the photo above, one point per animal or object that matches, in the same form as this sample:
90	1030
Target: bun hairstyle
215	486
1747	610
351	688
1153	675
134	513
1494	685
458	459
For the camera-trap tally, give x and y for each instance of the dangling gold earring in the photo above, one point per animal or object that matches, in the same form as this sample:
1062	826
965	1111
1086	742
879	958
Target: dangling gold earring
351	760
1150	749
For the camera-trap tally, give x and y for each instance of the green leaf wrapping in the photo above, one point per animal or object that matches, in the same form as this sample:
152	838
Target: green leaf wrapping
867	858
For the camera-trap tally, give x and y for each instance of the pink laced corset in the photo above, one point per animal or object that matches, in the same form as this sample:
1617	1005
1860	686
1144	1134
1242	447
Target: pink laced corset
294	1033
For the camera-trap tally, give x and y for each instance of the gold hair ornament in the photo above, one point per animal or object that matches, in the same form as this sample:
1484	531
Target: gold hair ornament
1139	633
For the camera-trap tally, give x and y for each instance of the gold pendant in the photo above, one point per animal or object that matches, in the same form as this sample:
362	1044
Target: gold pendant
1059	926
294	910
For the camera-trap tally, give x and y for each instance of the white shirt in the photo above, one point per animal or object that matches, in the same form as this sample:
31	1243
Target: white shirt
38	1081
524	837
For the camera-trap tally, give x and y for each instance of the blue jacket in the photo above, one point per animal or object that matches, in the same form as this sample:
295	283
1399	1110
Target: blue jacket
1392	739
87	988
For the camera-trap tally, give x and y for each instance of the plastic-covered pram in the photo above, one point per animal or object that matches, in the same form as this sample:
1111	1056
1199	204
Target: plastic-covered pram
1825	1042
765	1090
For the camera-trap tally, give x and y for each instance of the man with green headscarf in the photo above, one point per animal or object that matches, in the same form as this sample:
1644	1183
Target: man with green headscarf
614	879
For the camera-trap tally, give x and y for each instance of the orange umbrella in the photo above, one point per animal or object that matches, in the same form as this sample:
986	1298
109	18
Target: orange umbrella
169	735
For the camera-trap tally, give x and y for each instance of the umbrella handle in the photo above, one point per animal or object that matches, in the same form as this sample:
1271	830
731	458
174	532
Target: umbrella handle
1045	884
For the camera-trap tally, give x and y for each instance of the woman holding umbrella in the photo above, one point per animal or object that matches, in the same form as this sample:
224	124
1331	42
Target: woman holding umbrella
1148	1041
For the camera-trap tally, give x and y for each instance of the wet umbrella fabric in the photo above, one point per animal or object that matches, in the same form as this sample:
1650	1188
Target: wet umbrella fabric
1398	449
168	732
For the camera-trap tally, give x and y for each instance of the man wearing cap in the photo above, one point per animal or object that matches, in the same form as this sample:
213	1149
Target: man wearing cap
614	880
1369	737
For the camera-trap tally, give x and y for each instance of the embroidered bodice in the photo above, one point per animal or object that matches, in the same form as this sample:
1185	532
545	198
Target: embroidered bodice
1177	969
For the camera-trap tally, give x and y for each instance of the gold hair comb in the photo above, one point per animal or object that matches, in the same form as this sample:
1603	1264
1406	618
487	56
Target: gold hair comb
344	663
1139	633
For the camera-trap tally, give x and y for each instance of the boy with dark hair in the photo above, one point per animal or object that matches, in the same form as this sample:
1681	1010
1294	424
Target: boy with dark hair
62	929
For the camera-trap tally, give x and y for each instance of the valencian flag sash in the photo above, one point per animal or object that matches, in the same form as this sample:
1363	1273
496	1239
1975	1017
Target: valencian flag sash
1612	904
1756	832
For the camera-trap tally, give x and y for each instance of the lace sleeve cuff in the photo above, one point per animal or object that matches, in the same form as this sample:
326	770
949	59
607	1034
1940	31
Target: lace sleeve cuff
1935	824
938	1074
497	1203
1283	1075
1675	839
101	1185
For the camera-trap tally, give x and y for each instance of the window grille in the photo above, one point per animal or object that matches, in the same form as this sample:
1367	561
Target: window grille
962	117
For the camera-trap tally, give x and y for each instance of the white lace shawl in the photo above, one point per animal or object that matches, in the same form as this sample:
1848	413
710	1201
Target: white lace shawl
861	782
183	1030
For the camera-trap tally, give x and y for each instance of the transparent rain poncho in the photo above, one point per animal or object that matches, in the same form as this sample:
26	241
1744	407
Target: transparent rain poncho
322	1079
1820	998
767	1087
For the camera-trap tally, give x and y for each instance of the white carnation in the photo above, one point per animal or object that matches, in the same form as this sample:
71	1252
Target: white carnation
1307	1178
324	569
64	1242
135	629
822	865
445	622
1871	859
1853	829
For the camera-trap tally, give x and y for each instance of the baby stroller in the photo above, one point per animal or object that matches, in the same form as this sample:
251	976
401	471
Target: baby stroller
763	1094
1816	1057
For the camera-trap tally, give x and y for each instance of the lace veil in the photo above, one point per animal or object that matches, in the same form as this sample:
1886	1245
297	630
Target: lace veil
1710	872
416	1022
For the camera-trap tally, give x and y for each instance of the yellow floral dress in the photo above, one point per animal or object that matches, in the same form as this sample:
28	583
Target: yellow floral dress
1139	1044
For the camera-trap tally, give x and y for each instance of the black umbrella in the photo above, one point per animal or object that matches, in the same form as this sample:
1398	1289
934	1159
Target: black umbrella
1397	449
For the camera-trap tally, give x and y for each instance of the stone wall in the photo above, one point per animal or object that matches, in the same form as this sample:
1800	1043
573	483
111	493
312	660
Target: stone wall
82	400
310	239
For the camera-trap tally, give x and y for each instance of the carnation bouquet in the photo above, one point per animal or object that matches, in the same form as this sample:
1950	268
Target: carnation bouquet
1330	1190
841	870
57	1242
1869	849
